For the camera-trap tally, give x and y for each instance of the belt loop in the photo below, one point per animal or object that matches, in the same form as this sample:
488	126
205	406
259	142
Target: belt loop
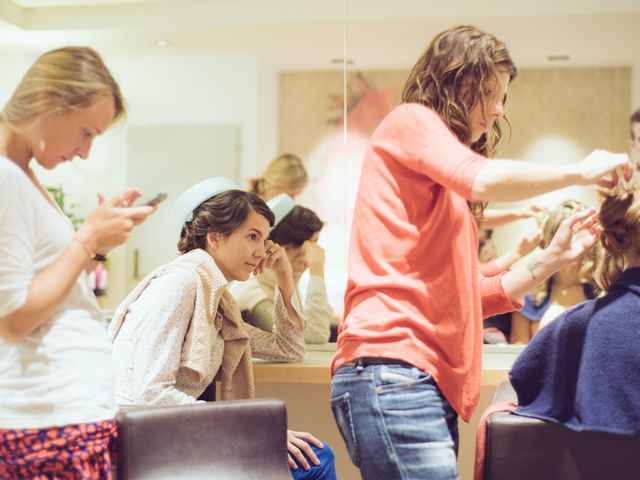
359	365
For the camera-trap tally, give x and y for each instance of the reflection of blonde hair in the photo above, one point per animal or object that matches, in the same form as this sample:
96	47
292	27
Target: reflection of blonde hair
556	217
285	171
59	81
620	220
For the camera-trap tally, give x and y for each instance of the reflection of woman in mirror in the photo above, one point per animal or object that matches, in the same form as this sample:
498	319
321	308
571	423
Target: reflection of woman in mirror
180	327
497	328
296	230
570	286
582	370
284	174
410	345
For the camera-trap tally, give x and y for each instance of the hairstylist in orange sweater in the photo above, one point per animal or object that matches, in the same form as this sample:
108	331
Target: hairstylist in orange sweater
410	345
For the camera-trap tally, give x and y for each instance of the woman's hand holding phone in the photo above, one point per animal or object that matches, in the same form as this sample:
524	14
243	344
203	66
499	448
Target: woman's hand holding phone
111	223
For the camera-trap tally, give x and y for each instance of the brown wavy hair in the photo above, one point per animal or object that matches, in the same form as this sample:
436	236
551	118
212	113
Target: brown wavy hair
222	213
449	78
620	220
588	262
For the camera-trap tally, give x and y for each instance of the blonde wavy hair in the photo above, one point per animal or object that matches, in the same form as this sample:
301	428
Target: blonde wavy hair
449	78
588	262
620	220
62	80
285	171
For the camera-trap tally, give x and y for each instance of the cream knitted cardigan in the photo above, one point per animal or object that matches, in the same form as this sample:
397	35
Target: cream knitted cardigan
212	299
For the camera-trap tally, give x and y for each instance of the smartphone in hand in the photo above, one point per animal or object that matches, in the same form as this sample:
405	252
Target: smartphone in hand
159	198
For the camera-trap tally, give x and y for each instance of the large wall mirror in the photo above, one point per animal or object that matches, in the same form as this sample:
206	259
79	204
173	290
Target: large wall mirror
209	91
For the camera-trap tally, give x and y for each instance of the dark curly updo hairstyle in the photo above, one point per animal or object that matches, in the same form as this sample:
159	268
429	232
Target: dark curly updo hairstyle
620	220
297	227
222	213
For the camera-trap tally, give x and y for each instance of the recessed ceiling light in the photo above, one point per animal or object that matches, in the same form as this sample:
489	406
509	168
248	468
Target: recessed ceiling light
340	61
161	43
558	58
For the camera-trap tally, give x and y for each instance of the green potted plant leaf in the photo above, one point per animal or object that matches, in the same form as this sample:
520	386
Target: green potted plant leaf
59	197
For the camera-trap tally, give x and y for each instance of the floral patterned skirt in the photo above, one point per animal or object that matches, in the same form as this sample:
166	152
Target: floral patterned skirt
84	451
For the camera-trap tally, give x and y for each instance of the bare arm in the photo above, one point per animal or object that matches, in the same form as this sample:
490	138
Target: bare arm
285	342
526	244
492	218
520	329
108	226
510	180
46	291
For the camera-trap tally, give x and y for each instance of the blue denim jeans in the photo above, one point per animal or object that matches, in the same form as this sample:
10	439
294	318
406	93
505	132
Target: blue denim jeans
325	471
395	422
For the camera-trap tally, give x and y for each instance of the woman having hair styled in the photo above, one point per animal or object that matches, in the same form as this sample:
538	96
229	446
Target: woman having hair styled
57	405
410	345
582	370
180	327
296	229
566	288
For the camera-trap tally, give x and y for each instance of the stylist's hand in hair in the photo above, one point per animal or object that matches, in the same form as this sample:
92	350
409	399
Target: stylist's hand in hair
600	168
111	223
575	236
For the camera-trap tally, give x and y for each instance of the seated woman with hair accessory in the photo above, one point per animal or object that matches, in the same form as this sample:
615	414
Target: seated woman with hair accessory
180	327
296	229
581	371
564	289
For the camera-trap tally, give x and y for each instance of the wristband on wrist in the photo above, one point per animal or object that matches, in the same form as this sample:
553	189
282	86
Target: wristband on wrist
93	256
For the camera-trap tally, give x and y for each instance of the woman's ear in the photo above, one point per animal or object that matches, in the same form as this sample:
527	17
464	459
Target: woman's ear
213	240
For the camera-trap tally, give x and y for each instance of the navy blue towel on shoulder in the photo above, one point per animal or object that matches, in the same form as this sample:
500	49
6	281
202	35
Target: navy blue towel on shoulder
583	369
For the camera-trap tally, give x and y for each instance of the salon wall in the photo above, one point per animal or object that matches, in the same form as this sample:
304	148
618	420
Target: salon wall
160	90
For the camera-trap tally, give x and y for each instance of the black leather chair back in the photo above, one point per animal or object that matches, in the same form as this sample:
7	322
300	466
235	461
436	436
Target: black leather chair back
221	440
527	449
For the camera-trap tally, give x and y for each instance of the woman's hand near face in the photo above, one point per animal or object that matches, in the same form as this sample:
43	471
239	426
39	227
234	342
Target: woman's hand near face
276	259
315	257
111	223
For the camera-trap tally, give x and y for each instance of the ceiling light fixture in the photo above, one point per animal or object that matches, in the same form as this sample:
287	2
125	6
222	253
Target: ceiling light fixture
161	43
558	58
340	61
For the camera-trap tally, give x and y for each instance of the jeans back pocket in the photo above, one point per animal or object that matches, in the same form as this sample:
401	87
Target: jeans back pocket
341	407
